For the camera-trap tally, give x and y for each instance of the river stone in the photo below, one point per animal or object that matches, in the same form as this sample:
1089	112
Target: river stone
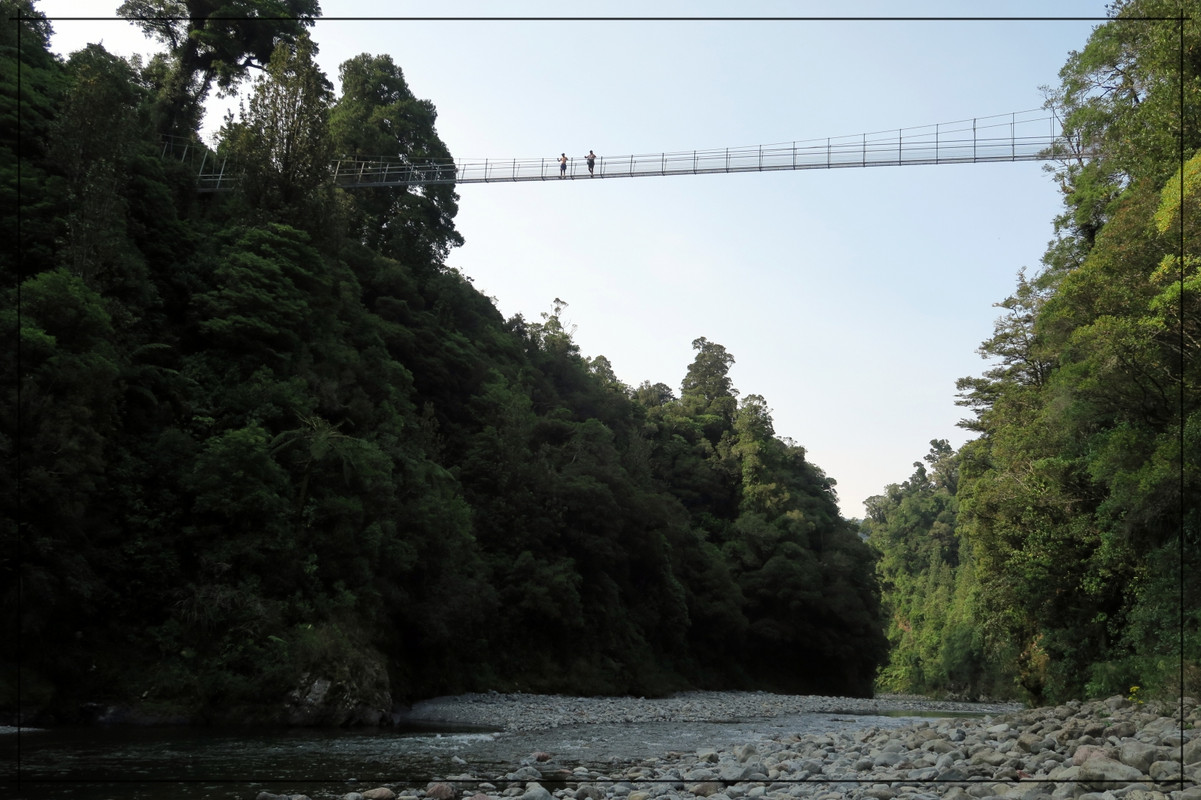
1066	791
1137	754
731	773
1192	751
379	793
352	796
1086	752
534	791
1122	730
440	791
1100	772
589	791
987	756
887	759
705	789
951	774
1163	771
526	773
938	746
639	795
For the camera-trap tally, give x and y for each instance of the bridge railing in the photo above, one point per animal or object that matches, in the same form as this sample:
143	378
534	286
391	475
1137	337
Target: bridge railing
1031	135
1019	136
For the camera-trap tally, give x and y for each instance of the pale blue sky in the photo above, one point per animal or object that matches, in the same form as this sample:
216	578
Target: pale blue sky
851	299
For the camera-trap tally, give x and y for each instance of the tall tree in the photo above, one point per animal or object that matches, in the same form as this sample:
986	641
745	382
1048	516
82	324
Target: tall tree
707	389
214	41
281	144
377	117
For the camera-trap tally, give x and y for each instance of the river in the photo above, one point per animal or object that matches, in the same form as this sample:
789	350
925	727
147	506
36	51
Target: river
156	763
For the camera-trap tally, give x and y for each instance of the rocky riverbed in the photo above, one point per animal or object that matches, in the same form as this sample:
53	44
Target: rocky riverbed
1113	749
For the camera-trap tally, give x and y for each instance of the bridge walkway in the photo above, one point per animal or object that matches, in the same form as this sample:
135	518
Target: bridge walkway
1034	135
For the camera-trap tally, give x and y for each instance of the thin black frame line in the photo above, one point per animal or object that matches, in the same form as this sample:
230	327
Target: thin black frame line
1180	19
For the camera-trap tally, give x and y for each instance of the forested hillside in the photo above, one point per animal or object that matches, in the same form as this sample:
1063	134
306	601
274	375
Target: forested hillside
1057	553
266	458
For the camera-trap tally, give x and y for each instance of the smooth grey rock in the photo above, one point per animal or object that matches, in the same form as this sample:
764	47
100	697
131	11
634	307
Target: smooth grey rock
440	791
1029	742
1106	773
535	791
729	773
1192	750
1137	754
887	759
987	756
952	774
1164	771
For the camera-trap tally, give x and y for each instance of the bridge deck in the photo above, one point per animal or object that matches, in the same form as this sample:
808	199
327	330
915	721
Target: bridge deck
1020	136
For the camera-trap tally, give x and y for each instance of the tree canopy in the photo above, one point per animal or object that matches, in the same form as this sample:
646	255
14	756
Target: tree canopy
1074	520
268	435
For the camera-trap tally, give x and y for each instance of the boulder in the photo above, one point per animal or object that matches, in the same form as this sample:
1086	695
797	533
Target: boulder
379	793
1164	771
1102	773
353	691
1192	750
1137	754
440	791
534	791
1087	752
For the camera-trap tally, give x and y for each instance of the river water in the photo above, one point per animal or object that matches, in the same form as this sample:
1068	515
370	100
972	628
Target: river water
156	763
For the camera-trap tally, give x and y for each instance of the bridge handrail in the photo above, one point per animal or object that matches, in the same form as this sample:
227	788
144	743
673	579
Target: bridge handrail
1017	136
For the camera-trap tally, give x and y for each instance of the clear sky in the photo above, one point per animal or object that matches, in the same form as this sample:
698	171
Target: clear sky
851	299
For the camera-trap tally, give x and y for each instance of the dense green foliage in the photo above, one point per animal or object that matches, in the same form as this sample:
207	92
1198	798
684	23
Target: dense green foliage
255	436
1067	542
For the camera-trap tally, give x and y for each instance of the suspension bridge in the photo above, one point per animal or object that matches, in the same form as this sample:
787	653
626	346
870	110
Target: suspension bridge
1034	135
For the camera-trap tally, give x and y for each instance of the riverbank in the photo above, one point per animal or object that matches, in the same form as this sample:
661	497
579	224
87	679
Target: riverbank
1102	750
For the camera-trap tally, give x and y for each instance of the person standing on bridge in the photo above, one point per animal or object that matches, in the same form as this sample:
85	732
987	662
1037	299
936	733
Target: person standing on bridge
591	159
562	165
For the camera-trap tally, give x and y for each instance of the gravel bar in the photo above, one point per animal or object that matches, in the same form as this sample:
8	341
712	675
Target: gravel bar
532	712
